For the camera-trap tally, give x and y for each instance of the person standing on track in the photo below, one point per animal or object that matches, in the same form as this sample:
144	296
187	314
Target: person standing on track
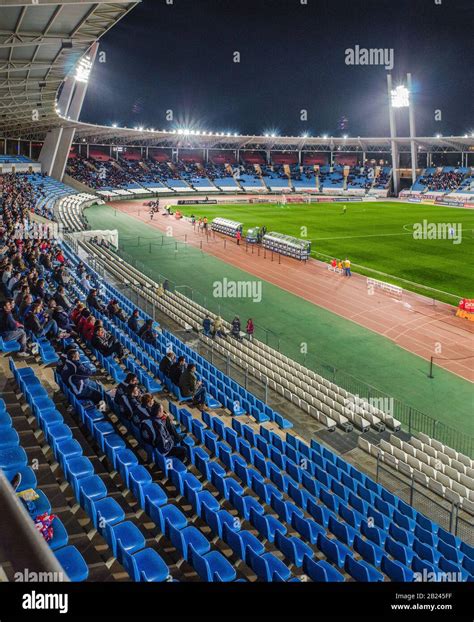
238	237
347	267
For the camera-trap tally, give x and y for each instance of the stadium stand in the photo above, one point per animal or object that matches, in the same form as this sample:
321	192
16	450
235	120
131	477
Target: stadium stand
441	180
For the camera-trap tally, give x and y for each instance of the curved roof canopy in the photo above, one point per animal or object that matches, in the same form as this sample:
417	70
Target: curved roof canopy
40	42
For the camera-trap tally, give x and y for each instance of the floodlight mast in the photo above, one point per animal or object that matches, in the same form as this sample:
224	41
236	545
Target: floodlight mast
411	116
393	134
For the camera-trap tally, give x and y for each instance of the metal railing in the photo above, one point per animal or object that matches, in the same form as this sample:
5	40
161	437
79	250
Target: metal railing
446	514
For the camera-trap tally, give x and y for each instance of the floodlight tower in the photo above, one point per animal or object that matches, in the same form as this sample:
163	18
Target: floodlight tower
56	147
400	97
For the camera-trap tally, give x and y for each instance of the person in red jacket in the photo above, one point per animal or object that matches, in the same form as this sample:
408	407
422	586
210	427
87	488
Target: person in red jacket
238	237
89	327
76	312
250	329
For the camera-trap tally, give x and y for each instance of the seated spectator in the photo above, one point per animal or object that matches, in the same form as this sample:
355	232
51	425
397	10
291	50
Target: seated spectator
114	310
131	401
10	329
39	324
147	333
61	299
159	431
89	327
105	343
176	369
62	320
93	301
133	321
130	380
190	386
85	283
86	324
218	329
166	363
25	306
77	311
77	377
207	325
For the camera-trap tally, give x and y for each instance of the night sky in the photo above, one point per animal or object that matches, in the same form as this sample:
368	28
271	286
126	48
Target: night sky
179	57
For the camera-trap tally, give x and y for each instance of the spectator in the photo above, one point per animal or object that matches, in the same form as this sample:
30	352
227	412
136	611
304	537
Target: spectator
61	298
176	370
207	325
37	323
77	311
10	329
131	402
158	430
93	301
166	363
190	386
132	322
130	380
114	310
218	329
347	267
77	377
147	333
236	327
106	344
250	329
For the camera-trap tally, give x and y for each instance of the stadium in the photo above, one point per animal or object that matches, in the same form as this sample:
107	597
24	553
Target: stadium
228	357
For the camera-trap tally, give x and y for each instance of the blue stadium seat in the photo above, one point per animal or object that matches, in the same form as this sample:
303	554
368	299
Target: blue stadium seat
362	571
146	565
293	548
334	550
212	567
321	571
396	571
105	511
73	563
124	539
268	567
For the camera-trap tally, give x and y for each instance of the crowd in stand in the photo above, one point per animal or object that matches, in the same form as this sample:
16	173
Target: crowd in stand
111	174
443	181
36	303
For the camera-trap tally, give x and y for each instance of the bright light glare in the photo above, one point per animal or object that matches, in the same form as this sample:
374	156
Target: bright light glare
400	97
83	69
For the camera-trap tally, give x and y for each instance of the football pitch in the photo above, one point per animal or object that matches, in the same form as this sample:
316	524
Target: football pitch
385	240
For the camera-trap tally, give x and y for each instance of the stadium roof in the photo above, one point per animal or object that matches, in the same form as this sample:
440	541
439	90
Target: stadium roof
104	135
40	42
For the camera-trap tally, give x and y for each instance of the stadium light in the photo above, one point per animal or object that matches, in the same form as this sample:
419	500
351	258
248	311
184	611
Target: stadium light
438	135
114	125
83	69
400	97
345	137
325	136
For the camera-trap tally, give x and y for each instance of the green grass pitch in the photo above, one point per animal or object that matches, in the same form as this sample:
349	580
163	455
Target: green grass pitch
375	235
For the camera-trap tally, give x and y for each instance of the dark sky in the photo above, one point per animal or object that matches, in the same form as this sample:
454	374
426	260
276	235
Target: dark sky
179	57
